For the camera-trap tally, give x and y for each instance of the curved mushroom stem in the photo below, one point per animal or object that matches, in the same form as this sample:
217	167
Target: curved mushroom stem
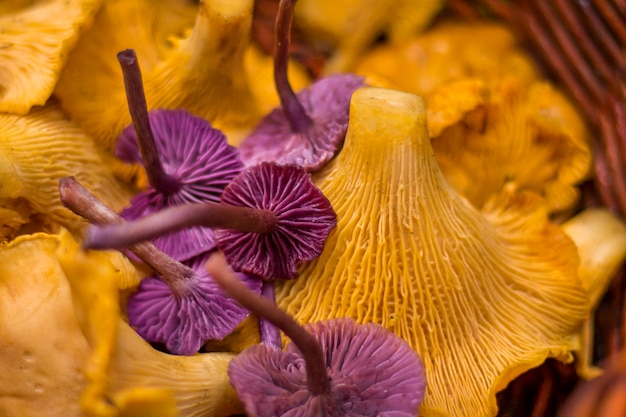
270	335
175	218
296	115
138	109
317	377
75	197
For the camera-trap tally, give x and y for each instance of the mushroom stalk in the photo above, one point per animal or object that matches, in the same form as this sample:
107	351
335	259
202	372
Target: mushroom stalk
296	115
78	199
318	382
175	218
270	335
138	109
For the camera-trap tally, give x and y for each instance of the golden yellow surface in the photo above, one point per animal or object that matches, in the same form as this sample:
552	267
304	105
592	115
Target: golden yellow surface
482	297
35	39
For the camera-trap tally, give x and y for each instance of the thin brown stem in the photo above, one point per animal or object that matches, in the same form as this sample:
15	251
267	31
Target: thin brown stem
138	109
78	199
176	218
296	115
317	377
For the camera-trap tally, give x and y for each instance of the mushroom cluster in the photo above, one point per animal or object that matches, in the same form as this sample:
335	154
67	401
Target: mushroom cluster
224	232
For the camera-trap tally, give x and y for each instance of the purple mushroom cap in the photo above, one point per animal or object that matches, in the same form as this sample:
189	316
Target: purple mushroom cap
199	158
184	324
372	373
327	103
305	219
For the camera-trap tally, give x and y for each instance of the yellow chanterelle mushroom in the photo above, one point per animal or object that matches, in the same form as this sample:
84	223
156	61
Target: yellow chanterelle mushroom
481	296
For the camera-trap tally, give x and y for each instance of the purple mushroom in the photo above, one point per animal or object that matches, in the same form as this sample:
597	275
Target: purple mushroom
182	307
187	314
333	368
276	218
186	161
308	128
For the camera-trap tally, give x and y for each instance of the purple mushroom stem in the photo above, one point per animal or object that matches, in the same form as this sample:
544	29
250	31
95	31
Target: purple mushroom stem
78	199
270	335
138	109
296	115
175	218
318	381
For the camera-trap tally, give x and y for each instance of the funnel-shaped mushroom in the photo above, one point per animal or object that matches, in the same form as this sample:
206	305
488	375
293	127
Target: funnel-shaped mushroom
35	48
186	161
488	107
481	297
181	307
275	215
334	368
202	73
308	128
37	150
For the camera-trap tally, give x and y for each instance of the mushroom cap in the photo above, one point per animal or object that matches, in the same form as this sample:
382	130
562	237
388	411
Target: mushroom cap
199	158
481	296
35	48
488	107
305	218
201	70
36	151
327	102
527	133
201	313
372	373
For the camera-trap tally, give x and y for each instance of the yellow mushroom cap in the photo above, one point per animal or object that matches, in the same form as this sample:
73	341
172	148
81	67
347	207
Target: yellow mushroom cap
210	71
36	151
34	43
492	119
519	132
482	297
447	53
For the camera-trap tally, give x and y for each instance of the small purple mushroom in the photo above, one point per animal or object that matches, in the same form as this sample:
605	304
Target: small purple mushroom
276	216
333	368
186	161
184	320
183	308
308	128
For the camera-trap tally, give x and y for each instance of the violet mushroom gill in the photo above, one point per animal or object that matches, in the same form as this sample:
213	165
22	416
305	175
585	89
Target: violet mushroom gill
333	368
481	296
181	306
309	128
186	160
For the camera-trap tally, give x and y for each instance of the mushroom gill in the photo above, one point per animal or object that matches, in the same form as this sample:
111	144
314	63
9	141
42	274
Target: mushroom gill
37	150
482	297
